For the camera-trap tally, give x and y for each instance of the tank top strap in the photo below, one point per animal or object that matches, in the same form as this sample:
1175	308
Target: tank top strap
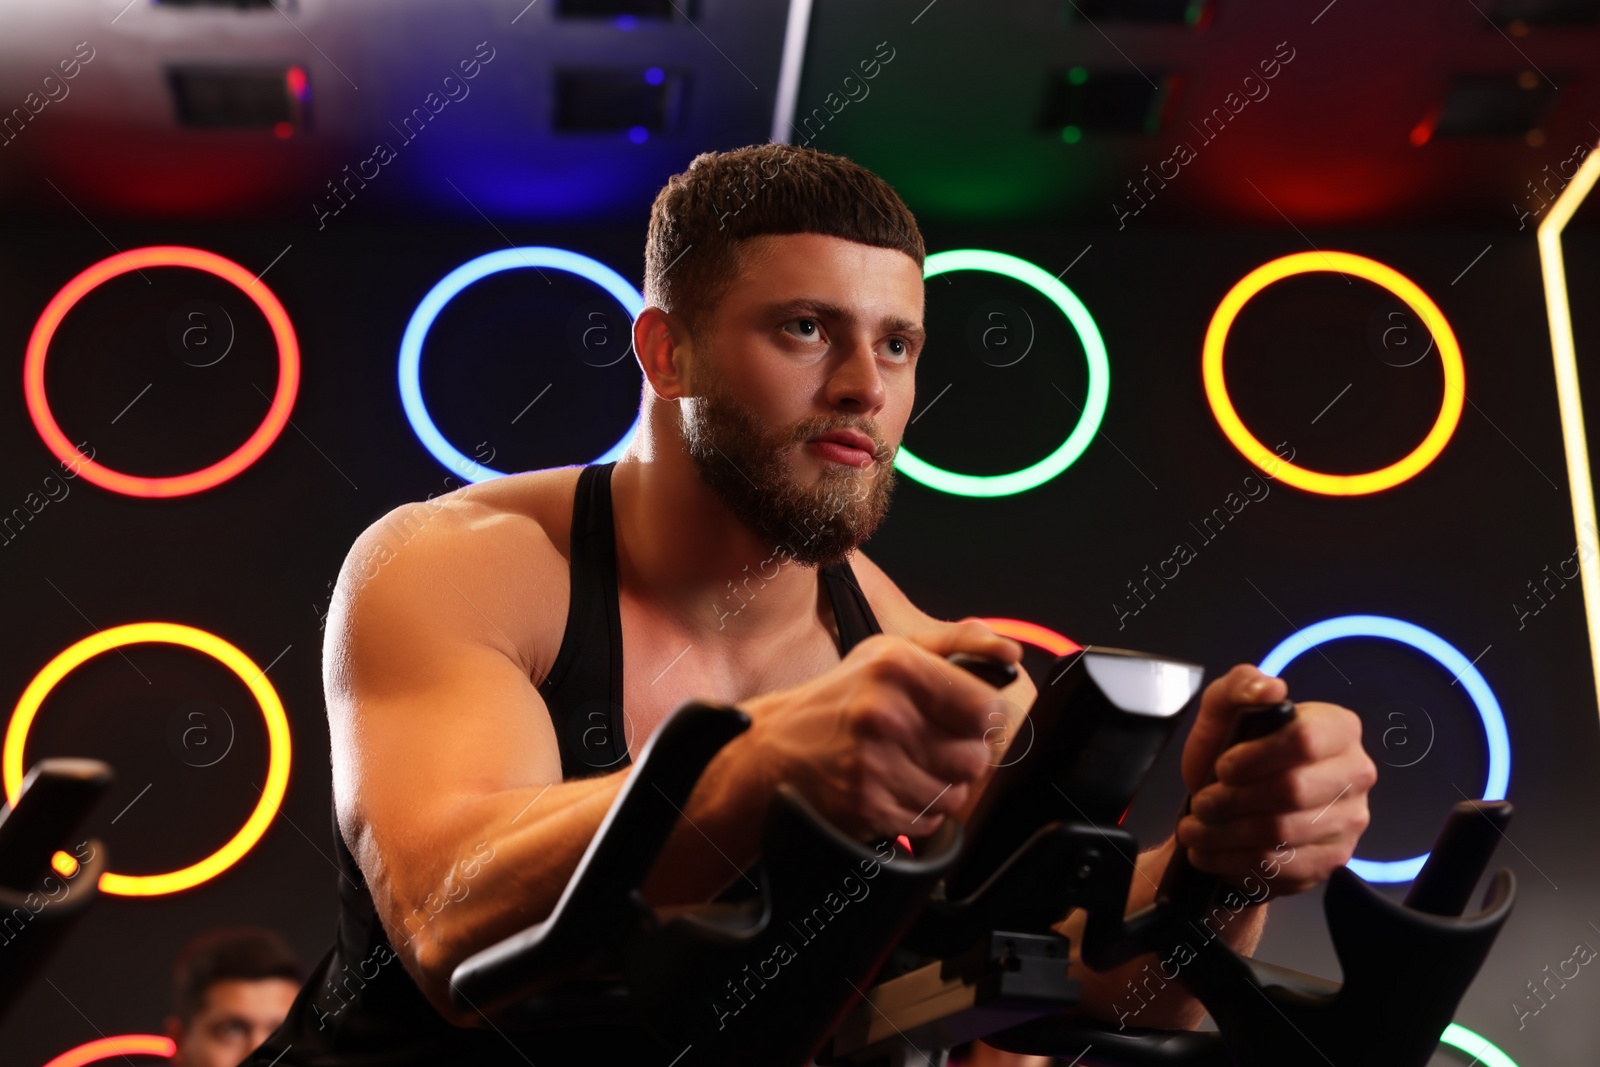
851	612
583	690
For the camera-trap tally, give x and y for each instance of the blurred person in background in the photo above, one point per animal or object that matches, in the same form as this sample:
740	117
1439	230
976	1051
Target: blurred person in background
231	987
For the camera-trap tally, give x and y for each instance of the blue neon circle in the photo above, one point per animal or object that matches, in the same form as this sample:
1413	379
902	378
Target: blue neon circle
441	294
1424	641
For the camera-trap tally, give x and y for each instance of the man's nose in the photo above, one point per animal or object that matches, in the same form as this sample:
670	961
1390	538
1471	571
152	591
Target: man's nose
857	378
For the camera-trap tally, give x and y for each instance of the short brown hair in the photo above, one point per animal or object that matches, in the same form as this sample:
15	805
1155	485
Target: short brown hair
247	953
700	217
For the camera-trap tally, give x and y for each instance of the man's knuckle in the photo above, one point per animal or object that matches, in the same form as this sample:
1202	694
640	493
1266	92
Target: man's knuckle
893	658
1302	741
973	760
872	719
1294	791
874	651
954	799
862	778
1366	773
872	801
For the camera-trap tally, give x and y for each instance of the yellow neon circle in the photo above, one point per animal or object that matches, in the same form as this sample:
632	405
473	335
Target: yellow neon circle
173	634
1373	271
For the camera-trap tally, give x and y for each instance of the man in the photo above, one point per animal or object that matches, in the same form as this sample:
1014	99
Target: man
495	659
231	988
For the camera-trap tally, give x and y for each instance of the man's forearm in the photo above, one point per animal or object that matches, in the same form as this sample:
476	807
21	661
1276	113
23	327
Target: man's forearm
534	844
1145	991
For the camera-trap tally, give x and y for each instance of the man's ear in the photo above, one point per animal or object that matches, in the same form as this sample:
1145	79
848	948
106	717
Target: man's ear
661	345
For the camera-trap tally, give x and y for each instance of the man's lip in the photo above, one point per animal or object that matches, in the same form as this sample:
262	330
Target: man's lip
849	439
839	452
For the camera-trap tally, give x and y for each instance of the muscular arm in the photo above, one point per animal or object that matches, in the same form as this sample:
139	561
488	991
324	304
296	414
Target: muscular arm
446	769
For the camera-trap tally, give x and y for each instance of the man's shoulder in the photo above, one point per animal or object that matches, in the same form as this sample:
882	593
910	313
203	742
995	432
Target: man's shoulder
517	514
495	550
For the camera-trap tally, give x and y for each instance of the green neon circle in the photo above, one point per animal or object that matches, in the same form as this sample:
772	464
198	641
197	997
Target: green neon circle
1094	407
1487	1051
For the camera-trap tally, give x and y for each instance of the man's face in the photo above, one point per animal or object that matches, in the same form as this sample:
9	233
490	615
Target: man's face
238	1015
816	334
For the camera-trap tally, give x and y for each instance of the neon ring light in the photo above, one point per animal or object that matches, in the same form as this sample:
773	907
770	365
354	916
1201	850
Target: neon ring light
1486	1052
255	680
1034	634
1373	271
180	484
1430	644
1094	406
441	294
104	1048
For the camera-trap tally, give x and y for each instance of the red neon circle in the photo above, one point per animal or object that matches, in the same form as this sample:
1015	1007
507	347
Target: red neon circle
122	1045
181	484
1033	634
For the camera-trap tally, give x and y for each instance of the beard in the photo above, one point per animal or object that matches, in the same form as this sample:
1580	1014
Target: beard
746	464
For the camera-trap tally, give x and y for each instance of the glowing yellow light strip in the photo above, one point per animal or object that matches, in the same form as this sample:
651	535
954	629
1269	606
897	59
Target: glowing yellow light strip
1571	403
1371	270
254	678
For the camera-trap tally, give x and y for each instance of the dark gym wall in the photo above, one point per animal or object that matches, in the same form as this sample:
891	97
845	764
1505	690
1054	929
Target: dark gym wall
1452	550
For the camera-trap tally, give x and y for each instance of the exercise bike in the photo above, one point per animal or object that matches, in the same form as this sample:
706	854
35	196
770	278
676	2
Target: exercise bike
867	955
39	904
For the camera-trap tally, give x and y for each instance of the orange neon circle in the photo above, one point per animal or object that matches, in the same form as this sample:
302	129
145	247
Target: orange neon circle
1373	271
144	885
181	484
1033	634
122	1045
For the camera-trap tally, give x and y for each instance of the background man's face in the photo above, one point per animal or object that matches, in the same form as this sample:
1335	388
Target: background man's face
816	334
238	1016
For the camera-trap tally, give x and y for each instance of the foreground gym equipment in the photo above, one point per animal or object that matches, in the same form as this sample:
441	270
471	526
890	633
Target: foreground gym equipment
39	902
873	957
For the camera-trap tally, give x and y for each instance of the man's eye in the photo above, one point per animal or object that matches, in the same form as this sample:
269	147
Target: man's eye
803	324
905	346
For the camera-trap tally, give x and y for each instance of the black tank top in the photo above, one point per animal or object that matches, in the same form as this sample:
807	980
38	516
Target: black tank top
359	1006
584	687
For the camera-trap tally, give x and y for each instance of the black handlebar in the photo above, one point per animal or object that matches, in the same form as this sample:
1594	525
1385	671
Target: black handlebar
1460	854
56	797
973	927
993	671
1190	891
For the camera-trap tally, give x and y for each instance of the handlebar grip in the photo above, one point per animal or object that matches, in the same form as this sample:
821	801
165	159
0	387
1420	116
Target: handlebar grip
1468	839
56	797
997	673
1190	890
